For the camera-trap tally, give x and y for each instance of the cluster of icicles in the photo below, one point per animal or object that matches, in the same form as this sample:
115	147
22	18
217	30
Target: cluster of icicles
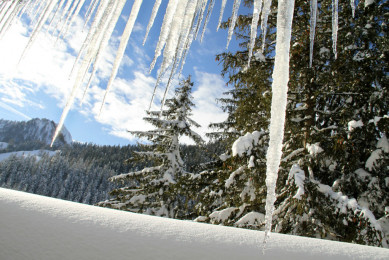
181	25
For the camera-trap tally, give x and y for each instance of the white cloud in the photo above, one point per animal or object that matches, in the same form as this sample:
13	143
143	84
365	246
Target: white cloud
47	66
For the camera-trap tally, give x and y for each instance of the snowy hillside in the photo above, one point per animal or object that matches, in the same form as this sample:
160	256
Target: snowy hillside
36	227
36	153
34	130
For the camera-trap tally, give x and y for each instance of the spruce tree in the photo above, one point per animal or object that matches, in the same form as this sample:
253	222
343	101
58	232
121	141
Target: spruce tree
322	155
159	189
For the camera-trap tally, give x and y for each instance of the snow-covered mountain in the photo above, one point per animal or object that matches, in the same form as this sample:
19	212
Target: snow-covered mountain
37	227
36	129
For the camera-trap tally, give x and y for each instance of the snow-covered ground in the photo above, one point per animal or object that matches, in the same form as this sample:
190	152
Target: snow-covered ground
37	227
37	153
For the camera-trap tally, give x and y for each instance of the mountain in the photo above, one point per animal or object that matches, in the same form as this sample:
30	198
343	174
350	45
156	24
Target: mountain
35	130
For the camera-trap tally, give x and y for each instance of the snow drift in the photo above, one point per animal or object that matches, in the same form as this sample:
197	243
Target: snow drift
37	227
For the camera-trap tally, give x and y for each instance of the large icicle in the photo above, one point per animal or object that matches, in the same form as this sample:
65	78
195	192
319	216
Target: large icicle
231	26
86	62
334	26
152	18
264	17
254	25
166	24
278	106
170	50
221	14
122	46
312	28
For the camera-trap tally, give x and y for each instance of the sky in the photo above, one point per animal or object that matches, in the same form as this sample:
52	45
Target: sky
39	85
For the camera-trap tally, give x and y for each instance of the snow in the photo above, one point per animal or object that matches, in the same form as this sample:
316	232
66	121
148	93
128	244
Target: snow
354	124
368	2
345	203
314	149
382	146
246	143
222	215
36	153
251	219
3	145
298	175
37	227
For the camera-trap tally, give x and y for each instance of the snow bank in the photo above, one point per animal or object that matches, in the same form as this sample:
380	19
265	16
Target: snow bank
37	227
3	145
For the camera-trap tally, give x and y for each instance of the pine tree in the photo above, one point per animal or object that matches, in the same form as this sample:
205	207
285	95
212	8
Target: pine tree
322	156
159	189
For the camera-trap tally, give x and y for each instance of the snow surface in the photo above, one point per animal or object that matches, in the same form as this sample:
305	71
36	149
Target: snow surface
37	153
38	227
3	145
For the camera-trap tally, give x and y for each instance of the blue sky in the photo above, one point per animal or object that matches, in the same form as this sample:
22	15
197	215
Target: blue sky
39	86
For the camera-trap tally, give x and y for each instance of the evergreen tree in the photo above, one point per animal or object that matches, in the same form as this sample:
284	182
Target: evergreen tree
159	190
323	154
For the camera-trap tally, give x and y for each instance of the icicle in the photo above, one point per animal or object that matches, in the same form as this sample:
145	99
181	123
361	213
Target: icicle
56	12
104	41
123	44
73	16
352	3
312	28
39	7
254	25
152	18
174	35
264	17
25	8
10	18
221	14
166	24
96	26
233	21
62	32
187	26
43	18
334	26
85	64
209	12
278	106
203	6
8	11
88	15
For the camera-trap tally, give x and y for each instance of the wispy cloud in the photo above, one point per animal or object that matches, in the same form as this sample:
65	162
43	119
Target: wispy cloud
46	68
